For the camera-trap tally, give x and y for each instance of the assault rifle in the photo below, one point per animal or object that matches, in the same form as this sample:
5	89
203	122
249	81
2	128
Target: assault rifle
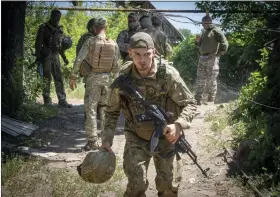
161	120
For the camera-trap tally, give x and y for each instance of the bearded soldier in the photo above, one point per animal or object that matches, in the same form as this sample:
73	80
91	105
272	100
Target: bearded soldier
125	35
159	84
212	45
50	42
100	56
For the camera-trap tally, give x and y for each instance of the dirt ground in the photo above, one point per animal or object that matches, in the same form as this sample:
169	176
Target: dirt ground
61	138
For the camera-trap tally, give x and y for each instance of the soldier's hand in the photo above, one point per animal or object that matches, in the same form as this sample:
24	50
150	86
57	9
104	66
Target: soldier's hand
107	146
172	132
72	83
66	62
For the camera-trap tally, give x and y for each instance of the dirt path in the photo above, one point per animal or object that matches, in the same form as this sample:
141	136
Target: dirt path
64	136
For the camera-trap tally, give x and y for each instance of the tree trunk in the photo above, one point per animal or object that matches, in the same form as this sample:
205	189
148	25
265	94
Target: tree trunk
12	51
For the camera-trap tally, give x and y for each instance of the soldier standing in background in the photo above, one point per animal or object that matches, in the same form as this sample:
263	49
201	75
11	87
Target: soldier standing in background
161	85
87	35
160	40
102	56
125	35
212	44
48	45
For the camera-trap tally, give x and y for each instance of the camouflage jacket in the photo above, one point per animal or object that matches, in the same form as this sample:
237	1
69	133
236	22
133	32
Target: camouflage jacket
160	40
163	85
82	40
212	41
48	40
83	55
123	42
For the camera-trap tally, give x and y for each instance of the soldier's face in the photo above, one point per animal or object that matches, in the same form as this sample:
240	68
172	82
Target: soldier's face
143	59
55	18
206	25
132	23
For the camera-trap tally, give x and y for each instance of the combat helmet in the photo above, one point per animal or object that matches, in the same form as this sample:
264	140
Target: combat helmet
98	166
66	43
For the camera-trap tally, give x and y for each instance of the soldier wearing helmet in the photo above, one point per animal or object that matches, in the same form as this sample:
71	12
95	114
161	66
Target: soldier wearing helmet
102	63
212	44
50	42
160	84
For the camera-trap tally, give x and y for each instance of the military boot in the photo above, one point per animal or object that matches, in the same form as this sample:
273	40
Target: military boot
91	145
198	102
64	104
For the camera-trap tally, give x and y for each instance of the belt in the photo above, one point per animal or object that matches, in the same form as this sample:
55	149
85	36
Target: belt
205	54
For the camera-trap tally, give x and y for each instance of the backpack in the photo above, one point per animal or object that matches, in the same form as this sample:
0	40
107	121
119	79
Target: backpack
101	55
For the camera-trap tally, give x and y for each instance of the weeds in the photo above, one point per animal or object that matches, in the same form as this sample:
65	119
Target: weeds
34	178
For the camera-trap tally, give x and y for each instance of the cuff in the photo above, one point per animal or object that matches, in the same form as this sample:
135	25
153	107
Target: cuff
184	124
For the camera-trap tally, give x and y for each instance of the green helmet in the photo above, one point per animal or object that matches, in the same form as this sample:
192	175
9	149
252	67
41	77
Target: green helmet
98	166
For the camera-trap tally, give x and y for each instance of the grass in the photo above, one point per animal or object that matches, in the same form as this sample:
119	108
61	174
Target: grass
78	93
32	177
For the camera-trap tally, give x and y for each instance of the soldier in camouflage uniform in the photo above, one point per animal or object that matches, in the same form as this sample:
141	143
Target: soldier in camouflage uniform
212	45
159	84
47	49
125	35
160	39
97	81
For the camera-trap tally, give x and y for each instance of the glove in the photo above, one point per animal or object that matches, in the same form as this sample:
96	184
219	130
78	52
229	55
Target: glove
66	62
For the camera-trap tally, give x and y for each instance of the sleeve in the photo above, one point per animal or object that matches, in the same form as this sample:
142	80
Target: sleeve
182	96
123	47
222	40
81	56
111	116
39	40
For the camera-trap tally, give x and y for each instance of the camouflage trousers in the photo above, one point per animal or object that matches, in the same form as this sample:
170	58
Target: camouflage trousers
136	162
207	73
51	66
96	92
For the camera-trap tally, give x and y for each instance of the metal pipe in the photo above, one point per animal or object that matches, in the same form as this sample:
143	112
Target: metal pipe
156	10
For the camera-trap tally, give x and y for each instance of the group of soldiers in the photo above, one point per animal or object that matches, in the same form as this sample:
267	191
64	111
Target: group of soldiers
142	48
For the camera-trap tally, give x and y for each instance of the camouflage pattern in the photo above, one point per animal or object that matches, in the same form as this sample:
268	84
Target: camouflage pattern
48	48
96	89
98	166
96	92
82	40
123	42
51	66
207	73
164	82
160	40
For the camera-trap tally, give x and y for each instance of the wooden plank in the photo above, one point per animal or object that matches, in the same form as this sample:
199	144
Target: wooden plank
8	131
24	131
17	122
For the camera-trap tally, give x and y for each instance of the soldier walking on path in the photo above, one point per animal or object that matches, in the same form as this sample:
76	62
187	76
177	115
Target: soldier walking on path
50	42
125	35
212	44
102	58
161	85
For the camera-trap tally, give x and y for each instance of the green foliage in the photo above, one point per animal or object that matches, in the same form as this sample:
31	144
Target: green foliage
185	59
256	122
31	177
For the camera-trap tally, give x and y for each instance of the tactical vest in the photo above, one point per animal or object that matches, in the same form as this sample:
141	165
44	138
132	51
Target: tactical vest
153	91
53	37
101	55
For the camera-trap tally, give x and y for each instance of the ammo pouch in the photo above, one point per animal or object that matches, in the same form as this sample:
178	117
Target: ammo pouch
144	127
85	68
